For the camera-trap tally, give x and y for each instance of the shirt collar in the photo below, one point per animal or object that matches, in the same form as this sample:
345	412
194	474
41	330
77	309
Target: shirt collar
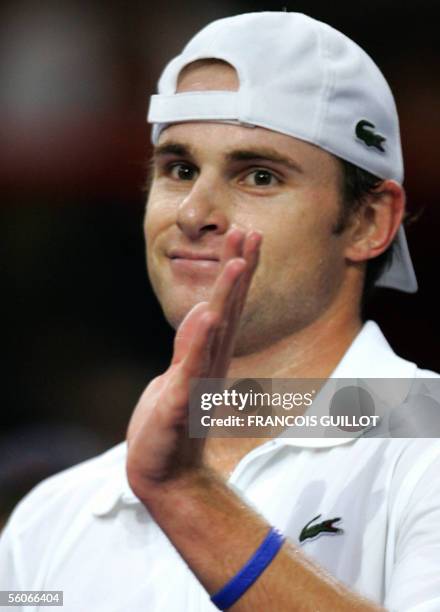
116	489
368	356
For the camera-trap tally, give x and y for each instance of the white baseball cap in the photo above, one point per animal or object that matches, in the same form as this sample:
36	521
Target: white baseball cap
303	78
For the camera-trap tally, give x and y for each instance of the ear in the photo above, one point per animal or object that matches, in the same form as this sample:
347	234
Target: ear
376	222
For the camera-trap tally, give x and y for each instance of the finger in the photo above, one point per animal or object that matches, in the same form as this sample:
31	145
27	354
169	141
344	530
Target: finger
236	244
235	302
197	362
251	253
226	337
224	285
233	245
186	330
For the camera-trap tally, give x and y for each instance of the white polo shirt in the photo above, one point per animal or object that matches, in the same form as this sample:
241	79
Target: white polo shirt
84	532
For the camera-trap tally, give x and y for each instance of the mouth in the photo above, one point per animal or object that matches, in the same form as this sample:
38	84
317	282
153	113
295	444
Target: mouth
194	263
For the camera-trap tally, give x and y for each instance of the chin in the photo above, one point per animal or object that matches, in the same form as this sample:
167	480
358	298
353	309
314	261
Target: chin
176	306
177	299
174	318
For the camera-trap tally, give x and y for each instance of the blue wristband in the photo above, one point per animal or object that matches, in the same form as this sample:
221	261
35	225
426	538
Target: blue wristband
245	578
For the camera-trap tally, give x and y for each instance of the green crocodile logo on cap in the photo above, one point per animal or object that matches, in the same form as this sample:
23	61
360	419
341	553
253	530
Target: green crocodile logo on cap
368	136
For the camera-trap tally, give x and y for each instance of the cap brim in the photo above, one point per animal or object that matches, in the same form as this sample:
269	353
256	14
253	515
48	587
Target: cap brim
400	273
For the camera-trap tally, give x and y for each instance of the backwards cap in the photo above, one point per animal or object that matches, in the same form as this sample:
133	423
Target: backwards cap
300	77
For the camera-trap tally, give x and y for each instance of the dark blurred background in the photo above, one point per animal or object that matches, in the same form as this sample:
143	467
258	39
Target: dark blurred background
82	334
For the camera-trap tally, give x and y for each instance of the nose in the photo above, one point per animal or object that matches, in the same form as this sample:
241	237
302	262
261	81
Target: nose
203	211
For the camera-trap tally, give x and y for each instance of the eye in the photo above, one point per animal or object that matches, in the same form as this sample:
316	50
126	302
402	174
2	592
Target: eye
261	178
182	172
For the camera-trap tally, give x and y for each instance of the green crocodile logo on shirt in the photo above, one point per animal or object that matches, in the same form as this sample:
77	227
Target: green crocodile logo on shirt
368	136
311	531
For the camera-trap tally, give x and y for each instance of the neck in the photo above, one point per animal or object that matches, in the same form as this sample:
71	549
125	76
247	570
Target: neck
312	352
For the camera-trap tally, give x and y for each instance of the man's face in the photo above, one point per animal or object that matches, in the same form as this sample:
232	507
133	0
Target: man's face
209	177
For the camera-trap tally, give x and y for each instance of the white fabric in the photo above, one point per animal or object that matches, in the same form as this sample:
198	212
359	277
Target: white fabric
84	532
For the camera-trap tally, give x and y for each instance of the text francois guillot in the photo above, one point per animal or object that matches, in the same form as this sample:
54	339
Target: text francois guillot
251	400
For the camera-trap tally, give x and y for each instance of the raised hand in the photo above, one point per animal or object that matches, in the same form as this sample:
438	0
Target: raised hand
159	448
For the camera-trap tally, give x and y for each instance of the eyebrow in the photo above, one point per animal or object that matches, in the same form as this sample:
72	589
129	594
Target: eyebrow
263	154
172	148
253	154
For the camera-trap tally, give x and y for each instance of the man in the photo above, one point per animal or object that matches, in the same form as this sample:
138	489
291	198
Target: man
258	258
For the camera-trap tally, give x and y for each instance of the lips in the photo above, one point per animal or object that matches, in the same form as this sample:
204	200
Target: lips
193	255
194	263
